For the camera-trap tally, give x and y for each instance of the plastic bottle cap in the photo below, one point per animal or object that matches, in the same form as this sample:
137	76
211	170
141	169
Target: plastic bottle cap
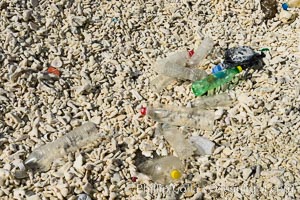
143	111
134	179
217	68
175	174
265	49
285	6
239	68
191	52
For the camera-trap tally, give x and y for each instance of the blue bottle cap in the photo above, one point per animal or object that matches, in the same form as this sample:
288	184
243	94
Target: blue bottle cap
285	6
217	68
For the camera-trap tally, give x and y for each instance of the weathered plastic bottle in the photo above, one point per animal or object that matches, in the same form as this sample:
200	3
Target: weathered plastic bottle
163	170
181	116
209	102
214	80
201	52
291	4
183	148
180	72
42	157
179	58
160	82
182	59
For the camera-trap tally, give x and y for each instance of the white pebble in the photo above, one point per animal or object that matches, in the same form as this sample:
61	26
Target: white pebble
56	62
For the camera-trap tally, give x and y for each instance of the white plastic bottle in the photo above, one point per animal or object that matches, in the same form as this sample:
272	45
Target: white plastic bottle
183	148
163	170
208	102
181	116
42	157
181	59
162	81
201	52
180	72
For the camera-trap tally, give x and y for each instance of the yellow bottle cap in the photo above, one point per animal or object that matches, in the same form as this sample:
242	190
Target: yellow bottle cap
239	68
175	174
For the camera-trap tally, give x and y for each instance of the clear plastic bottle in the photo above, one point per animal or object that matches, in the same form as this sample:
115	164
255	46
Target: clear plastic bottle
42	157
181	116
183	148
160	82
180	72
182	59
209	102
201	52
179	58
163	170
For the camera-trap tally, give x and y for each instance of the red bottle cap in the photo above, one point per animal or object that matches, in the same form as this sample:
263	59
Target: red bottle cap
191	52
133	179
143	111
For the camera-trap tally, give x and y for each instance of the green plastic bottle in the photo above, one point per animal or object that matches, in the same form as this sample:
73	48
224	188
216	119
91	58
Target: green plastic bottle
214	80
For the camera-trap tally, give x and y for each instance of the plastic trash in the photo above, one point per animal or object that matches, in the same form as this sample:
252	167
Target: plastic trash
243	56
287	17
218	68
160	82
209	102
42	157
204	146
264	49
269	8
201	52
181	116
179	58
285	6
291	4
183	59
53	70
214	80
177	141
163	170
180	72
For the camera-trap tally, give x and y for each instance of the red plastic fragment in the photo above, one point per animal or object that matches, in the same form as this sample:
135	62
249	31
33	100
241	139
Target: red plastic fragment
53	70
191	52
143	111
133	179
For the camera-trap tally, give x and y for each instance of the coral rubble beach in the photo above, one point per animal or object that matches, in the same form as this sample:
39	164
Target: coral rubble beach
101	54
